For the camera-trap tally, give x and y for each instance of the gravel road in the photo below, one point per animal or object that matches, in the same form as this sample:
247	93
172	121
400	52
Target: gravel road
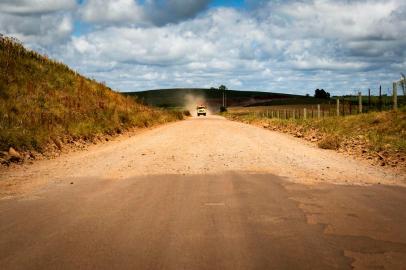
205	193
208	145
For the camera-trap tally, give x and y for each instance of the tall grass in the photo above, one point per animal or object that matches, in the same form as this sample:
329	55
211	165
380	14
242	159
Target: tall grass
42	99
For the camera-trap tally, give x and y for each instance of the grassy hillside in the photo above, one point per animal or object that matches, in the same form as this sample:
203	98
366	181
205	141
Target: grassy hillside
379	136
42	100
178	97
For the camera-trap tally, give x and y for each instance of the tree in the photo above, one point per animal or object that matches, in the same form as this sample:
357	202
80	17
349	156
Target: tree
321	93
213	88
222	87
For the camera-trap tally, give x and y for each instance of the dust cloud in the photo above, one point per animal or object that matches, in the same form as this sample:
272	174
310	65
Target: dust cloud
191	101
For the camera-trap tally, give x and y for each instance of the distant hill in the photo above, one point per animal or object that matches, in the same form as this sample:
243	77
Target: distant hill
43	101
179	97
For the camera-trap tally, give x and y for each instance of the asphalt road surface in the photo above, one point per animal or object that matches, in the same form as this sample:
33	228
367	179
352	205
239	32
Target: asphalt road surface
202	194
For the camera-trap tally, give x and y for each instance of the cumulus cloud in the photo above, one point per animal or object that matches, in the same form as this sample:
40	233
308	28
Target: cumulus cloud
197	50
29	7
162	12
109	11
37	22
37	31
293	46
149	12
343	19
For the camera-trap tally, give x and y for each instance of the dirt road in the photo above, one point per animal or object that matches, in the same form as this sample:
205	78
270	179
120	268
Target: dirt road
205	193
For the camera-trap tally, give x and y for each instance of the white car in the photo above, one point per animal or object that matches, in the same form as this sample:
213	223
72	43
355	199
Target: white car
201	110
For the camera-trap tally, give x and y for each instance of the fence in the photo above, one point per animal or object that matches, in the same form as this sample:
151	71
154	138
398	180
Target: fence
337	106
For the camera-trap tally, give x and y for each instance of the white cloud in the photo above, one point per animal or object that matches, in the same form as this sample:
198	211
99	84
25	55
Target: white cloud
171	11
29	7
37	31
150	12
145	46
108	11
37	22
293	46
342	19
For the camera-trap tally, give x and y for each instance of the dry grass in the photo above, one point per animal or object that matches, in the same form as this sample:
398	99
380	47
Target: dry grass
383	133
330	142
41	99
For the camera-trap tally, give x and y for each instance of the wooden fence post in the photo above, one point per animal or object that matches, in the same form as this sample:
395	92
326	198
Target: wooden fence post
395	96
359	102
293	114
304	113
350	106
318	111
338	107
369	99
343	106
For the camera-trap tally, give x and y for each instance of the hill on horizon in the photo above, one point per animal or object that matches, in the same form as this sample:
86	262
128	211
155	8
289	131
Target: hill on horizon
181	97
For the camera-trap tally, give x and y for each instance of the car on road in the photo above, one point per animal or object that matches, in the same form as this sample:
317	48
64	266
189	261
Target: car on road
201	110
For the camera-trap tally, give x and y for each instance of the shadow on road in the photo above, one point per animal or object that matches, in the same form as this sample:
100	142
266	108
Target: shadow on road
227	221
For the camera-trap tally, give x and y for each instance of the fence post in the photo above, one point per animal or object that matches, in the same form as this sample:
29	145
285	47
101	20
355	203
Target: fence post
277	113
359	102
380	98
343	106
350	106
395	96
338	107
304	113
293	114
318	111
369	99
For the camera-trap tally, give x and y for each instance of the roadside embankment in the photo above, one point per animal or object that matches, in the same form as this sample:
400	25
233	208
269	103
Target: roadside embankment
377	136
44	104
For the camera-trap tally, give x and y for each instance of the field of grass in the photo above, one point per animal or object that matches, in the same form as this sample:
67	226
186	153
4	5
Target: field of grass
42	100
379	134
178	97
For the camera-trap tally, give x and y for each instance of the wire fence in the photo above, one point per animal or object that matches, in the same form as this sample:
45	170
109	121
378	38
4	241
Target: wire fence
337	106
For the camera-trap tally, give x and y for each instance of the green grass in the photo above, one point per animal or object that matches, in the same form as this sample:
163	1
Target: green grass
178	97
41	99
381	131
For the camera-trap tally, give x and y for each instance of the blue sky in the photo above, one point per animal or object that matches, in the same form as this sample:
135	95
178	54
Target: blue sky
225	3
268	45
81	27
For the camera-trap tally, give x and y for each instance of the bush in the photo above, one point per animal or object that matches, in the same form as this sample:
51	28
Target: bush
330	142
